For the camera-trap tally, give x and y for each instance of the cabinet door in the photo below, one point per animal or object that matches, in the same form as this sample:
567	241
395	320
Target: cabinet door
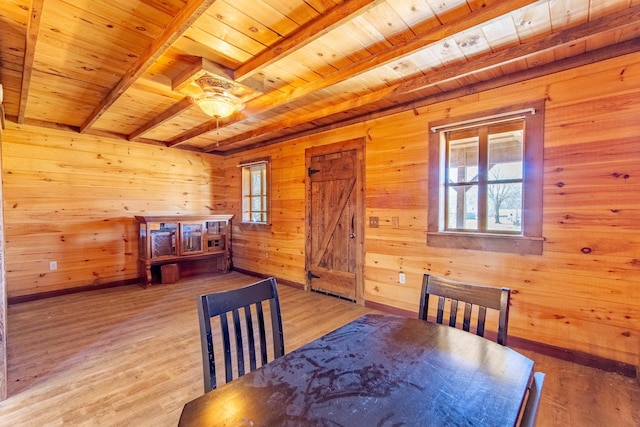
191	237
163	239
214	240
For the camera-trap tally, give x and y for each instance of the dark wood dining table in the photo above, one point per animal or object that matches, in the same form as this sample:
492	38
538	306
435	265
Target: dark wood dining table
379	370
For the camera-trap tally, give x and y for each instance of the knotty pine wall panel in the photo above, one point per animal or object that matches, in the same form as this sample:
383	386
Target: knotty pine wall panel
71	198
583	293
3	296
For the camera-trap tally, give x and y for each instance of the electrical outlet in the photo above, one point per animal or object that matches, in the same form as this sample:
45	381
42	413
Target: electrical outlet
53	265
374	222
402	279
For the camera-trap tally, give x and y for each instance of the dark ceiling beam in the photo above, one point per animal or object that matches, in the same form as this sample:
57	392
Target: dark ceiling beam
33	26
192	10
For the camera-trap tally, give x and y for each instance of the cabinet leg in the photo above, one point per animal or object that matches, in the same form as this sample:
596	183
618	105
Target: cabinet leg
147	278
144	273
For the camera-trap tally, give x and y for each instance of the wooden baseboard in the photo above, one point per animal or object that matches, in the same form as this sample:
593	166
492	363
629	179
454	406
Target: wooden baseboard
50	294
33	297
574	356
264	276
389	309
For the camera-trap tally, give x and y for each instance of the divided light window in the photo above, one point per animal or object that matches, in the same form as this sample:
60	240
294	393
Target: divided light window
485	181
255	192
483	178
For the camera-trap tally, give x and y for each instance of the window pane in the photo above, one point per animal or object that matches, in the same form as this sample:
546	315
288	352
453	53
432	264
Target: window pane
256	183
504	207
255	204
245	210
505	151
463	159
462	202
254	192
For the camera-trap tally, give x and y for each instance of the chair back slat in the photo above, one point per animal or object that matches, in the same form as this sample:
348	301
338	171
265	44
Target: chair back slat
248	299
226	346
454	292
262	334
440	312
237	328
248	319
453	315
466	325
482	316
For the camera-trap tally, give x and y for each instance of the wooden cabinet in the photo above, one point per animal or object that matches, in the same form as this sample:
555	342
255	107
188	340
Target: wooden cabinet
181	239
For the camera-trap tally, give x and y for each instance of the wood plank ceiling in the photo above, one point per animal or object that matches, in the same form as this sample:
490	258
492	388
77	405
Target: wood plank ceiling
125	68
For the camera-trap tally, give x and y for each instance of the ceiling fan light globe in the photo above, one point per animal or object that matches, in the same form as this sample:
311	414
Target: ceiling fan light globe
217	106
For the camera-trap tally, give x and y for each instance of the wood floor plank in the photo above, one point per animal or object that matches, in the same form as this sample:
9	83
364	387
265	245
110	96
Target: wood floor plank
131	356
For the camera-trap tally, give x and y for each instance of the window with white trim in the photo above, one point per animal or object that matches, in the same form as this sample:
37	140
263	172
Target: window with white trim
485	181
255	192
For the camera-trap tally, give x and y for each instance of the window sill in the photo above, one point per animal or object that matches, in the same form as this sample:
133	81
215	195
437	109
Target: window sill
255	226
524	245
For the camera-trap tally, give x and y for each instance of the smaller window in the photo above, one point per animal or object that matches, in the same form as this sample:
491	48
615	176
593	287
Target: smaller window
255	192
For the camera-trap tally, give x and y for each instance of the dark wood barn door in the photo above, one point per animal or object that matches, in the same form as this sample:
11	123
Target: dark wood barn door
335	198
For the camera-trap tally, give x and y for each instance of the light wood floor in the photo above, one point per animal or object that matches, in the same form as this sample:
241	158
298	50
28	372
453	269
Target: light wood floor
131	357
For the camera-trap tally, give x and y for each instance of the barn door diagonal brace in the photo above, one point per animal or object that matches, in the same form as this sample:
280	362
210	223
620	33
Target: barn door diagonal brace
333	221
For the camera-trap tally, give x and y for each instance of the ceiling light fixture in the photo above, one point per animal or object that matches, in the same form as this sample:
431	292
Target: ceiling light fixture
217	99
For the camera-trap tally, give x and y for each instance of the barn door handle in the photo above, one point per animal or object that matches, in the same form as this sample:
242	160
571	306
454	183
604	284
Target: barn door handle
352	235
310	275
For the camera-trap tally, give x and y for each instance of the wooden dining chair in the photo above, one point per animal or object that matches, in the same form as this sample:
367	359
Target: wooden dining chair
533	401
245	306
483	297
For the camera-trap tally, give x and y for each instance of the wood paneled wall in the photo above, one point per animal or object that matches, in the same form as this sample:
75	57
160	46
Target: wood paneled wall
71	199
3	290
583	293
